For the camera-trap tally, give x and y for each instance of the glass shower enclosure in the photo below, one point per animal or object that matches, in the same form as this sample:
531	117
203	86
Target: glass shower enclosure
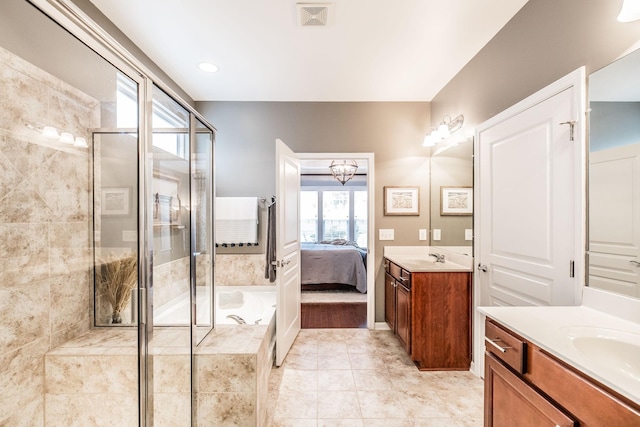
106	223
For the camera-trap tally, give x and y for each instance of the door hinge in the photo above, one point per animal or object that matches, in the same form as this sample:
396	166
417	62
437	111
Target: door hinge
572	268
572	125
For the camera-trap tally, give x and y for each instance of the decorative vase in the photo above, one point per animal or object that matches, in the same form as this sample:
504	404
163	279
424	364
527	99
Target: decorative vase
116	317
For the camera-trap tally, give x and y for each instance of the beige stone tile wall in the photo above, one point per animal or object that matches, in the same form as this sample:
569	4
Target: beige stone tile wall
240	270
45	255
170	280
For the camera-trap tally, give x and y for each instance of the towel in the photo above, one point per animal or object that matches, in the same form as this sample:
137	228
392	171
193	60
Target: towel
270	269
236	220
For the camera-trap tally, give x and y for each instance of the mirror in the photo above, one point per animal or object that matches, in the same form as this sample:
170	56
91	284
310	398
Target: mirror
452	197
614	177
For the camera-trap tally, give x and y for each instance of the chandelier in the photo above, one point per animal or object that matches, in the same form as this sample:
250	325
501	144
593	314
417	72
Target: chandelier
344	171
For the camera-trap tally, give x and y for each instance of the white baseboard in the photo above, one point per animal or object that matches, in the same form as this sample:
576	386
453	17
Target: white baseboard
381	326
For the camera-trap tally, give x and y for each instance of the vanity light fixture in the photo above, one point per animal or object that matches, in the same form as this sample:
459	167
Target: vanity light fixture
344	171
630	11
445	129
208	67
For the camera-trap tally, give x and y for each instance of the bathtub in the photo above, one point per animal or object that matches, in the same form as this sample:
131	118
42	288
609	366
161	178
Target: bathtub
254	304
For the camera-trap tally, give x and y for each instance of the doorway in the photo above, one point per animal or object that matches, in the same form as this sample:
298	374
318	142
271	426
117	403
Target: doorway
336	235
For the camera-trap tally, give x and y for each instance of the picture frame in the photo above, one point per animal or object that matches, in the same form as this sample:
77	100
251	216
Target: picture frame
401	200
115	201
456	201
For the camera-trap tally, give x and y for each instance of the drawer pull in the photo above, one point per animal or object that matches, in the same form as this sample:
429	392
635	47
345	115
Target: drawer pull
404	279
492	342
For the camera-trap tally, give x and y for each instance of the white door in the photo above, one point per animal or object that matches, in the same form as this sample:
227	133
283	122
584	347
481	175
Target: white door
529	179
527	206
614	240
287	250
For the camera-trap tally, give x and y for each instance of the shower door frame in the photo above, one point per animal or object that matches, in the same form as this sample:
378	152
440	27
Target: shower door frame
70	17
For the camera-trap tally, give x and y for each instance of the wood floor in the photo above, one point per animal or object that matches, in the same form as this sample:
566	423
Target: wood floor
334	315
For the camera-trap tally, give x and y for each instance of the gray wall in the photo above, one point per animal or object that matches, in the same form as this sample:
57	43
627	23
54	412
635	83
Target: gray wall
546	40
245	151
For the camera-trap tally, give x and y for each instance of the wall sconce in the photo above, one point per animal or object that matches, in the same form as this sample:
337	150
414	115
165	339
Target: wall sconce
344	171
445	129
630	11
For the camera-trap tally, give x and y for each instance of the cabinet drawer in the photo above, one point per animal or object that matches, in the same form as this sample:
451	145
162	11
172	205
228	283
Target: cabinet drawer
395	270
405	278
386	265
505	346
590	403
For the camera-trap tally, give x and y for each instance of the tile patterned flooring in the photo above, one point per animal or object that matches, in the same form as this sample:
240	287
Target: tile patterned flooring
357	377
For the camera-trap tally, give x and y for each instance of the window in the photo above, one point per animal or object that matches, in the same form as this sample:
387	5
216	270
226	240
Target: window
328	214
165	117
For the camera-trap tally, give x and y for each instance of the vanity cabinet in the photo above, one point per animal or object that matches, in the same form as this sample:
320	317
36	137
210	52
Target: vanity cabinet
398	302
526	386
430	313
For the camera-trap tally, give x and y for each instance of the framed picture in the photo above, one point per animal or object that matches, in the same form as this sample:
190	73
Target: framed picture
456	200
401	200
116	201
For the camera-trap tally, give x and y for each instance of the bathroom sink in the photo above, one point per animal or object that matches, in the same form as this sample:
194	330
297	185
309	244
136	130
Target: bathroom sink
614	350
429	263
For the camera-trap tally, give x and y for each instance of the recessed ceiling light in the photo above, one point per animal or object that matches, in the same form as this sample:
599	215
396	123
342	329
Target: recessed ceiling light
208	67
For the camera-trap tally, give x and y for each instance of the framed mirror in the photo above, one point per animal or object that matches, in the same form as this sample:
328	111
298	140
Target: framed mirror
452	197
613	255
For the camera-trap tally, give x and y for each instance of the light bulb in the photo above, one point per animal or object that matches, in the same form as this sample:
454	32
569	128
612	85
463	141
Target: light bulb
50	132
630	11
66	138
443	130
80	142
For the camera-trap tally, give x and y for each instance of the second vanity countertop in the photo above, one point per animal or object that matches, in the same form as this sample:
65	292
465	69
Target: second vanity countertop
416	259
554	329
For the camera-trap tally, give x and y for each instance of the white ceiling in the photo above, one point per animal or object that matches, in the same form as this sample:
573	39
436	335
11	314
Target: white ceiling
372	50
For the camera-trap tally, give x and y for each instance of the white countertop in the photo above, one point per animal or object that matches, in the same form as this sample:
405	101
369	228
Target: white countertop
547	328
416	259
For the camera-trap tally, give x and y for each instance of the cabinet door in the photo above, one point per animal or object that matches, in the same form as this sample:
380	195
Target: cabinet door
509	401
403	316
390	301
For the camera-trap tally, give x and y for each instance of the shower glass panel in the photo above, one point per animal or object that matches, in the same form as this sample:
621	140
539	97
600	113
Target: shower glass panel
202	216
67	209
115	172
172	261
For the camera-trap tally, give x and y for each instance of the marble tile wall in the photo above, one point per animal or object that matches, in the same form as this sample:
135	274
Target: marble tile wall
45	255
233	365
170	280
240	270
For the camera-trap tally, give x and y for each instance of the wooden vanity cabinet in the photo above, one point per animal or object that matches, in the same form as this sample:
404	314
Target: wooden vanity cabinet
430	313
525	386
397	288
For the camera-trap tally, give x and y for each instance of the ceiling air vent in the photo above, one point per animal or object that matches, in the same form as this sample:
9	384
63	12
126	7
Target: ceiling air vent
313	14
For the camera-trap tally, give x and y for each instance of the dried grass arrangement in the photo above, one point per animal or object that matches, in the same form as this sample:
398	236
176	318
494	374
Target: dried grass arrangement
118	277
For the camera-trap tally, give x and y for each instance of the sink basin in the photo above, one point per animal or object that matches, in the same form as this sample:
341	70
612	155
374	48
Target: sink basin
611	349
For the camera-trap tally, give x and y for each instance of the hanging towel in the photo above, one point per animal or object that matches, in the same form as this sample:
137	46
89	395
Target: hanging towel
236	220
270	269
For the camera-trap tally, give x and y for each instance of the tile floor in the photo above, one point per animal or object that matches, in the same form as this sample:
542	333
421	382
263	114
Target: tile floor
357	377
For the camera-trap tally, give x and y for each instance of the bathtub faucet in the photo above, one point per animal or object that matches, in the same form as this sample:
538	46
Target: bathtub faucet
237	318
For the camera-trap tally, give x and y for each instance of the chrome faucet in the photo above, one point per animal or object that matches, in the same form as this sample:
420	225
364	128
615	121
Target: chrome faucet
439	258
237	318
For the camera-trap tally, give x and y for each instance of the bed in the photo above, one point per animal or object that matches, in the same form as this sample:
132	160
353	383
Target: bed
337	263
